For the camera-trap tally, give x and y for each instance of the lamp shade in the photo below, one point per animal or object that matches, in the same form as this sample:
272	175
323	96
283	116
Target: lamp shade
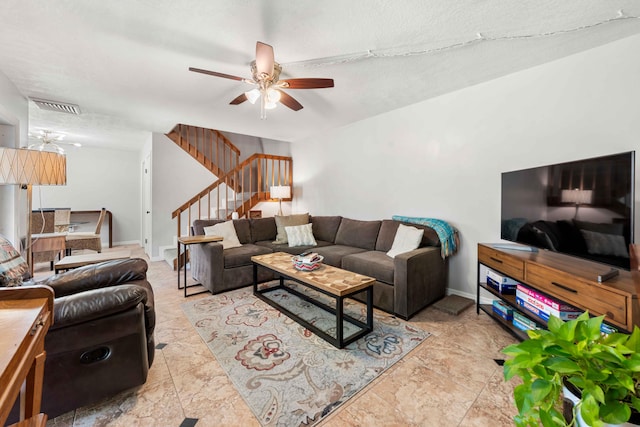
22	166
577	196
280	192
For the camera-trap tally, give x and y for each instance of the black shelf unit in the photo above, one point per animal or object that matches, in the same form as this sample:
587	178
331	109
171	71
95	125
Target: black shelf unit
509	299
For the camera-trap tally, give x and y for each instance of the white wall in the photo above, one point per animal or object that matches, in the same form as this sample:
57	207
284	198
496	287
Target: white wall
176	177
98	178
14	124
443	157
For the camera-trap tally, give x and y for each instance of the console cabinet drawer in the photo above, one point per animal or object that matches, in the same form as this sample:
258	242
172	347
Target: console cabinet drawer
579	292
502	262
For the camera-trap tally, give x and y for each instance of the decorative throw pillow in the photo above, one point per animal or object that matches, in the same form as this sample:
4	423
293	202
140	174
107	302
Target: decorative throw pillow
12	266
300	235
605	244
288	221
227	231
407	239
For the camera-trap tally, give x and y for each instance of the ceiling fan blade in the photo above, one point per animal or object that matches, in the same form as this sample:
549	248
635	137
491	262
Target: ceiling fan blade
288	100
307	83
239	99
213	73
264	58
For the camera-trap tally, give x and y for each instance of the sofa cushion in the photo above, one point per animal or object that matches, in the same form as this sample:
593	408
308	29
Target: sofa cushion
243	230
361	234
287	221
374	264
240	256
300	235
333	254
407	239
227	231
263	229
325	227
388	230
200	224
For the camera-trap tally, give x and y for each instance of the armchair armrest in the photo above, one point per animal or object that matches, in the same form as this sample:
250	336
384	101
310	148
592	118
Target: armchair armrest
420	278
86	306
94	276
207	263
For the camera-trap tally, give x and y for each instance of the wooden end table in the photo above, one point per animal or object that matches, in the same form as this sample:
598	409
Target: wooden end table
328	280
26	313
185	241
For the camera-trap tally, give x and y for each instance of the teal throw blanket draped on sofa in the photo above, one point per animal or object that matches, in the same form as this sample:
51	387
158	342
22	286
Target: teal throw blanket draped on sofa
447	234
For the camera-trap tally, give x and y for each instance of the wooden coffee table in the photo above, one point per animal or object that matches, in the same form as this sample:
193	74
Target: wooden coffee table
75	261
331	281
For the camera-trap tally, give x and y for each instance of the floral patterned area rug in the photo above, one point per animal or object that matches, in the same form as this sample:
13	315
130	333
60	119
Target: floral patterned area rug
287	375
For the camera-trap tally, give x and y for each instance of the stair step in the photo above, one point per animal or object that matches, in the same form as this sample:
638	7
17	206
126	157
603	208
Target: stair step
171	257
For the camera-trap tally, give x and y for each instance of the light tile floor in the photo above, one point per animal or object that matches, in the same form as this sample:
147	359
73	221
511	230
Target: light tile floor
451	379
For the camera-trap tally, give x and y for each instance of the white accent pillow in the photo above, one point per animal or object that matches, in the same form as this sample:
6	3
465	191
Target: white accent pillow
227	231
300	235
407	239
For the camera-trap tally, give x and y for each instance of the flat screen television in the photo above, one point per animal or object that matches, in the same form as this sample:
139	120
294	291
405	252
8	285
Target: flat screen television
583	208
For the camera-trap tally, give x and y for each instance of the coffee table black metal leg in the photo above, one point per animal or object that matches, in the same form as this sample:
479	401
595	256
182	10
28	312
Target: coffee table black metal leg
370	308
255	278
339	321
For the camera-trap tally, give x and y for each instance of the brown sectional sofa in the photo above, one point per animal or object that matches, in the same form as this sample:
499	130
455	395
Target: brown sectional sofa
404	284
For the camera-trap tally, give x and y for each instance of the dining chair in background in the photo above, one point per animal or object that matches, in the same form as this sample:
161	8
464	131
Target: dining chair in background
82	240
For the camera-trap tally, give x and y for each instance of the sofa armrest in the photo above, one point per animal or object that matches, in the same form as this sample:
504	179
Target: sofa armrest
94	276
420	278
96	303
207	263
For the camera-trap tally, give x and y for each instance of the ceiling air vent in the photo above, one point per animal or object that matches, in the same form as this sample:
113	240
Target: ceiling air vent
61	107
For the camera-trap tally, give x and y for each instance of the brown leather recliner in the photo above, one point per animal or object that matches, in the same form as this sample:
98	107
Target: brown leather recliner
101	341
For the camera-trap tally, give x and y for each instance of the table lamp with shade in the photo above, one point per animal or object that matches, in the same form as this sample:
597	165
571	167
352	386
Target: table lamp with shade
30	167
280	192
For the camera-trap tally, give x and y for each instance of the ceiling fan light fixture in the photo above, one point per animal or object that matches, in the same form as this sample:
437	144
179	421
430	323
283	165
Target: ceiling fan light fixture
46	147
270	105
273	95
252	95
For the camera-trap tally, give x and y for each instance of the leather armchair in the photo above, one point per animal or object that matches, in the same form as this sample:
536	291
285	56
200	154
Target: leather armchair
101	341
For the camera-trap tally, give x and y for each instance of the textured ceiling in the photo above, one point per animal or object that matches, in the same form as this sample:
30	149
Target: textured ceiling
125	62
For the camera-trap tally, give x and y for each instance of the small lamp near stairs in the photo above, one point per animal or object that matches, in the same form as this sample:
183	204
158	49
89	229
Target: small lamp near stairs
280	192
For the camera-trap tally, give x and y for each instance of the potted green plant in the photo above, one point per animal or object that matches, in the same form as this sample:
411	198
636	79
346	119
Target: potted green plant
604	369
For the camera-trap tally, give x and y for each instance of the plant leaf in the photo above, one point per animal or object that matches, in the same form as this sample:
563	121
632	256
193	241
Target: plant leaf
589	410
615	413
554	324
633	343
562	365
540	389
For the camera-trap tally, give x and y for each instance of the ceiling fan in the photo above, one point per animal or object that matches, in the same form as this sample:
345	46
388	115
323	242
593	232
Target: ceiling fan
49	142
265	73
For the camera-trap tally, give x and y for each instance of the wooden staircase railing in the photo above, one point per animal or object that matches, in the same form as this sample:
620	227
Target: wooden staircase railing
236	191
207	146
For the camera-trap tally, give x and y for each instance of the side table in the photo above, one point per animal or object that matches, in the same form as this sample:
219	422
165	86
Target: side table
185	241
25	316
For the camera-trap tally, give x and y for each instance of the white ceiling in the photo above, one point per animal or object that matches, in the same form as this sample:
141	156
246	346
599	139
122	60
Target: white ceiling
124	62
